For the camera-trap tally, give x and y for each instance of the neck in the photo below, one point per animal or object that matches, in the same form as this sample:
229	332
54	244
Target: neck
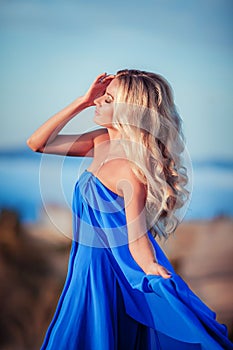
114	134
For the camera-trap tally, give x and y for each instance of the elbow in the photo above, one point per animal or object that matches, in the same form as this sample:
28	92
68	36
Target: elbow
33	146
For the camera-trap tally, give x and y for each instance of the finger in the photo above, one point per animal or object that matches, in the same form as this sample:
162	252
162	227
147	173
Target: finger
100	77
110	76
106	82
107	79
164	273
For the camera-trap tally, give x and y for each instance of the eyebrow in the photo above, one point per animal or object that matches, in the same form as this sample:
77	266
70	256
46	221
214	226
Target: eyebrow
109	94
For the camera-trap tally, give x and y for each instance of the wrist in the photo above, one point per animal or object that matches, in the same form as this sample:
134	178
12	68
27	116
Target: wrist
145	261
85	101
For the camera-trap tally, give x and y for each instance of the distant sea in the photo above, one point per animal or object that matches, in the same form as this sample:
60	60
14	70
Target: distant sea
31	181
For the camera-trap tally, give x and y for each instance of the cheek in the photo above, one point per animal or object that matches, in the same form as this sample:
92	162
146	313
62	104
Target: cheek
105	117
107	110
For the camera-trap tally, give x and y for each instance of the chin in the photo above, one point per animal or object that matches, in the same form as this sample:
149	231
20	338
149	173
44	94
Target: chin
102	123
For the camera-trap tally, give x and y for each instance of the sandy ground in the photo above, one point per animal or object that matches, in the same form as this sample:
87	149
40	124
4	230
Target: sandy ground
34	257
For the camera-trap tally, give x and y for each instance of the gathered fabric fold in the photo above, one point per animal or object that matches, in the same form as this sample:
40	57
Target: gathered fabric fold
109	303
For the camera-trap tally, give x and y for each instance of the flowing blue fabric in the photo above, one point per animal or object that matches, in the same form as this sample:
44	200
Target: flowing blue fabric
109	303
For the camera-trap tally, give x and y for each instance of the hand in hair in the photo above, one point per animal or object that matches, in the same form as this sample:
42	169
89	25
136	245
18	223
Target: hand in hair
97	88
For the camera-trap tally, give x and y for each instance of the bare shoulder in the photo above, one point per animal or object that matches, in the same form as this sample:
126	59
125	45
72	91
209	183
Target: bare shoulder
100	136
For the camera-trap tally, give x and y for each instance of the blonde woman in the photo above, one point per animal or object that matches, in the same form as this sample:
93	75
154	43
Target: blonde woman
121	292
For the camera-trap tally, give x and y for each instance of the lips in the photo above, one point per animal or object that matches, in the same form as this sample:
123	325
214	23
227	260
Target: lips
97	112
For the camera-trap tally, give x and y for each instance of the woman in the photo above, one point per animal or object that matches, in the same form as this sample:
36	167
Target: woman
121	292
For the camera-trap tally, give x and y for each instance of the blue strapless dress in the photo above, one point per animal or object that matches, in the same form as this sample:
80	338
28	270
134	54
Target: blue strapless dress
109	303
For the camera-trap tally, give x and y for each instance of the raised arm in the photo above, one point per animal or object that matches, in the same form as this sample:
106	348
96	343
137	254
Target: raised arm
47	139
140	246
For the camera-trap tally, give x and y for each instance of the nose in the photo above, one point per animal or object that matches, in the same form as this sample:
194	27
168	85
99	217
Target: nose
97	101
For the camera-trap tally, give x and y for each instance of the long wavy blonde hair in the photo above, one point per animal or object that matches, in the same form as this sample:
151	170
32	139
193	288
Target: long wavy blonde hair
151	129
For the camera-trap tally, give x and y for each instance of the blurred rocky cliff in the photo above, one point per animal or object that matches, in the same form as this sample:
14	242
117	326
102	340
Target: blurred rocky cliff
32	274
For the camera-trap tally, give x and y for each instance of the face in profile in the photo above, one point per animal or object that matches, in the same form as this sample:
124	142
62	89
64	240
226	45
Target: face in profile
105	105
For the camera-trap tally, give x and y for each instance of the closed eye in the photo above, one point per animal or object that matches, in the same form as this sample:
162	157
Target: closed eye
108	99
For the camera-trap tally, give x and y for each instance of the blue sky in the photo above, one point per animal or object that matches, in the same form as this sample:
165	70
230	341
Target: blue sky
52	50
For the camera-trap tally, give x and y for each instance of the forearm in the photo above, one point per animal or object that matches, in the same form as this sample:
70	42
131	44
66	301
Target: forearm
47	132
143	252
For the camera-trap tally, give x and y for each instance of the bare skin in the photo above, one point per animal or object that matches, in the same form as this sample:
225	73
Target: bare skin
103	144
